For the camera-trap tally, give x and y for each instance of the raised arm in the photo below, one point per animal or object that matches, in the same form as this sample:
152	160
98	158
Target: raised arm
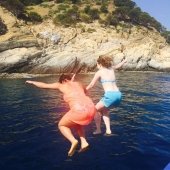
94	80
120	64
72	79
44	85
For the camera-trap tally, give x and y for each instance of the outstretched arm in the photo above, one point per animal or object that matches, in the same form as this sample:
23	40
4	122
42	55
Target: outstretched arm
120	64
43	85
94	80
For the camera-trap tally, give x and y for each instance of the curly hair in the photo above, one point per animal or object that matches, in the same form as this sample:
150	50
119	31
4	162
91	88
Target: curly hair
64	77
105	61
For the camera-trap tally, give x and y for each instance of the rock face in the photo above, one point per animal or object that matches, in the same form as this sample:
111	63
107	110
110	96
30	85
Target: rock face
45	48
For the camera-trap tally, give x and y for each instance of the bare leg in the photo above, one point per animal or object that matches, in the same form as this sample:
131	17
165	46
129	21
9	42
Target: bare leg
64	126
84	143
97	118
106	119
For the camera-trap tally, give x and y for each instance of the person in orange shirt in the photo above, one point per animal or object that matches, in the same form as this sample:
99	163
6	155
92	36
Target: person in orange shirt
82	109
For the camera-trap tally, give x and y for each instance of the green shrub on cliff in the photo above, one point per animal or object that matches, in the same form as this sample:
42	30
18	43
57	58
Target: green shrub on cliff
68	18
104	8
31	2
3	27
166	35
112	20
92	12
85	18
15	6
34	17
59	1
63	7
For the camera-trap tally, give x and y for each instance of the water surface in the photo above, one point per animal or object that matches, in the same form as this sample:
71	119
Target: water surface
30	139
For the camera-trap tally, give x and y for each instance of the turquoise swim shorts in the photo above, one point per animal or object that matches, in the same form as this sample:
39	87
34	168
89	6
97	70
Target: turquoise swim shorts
111	98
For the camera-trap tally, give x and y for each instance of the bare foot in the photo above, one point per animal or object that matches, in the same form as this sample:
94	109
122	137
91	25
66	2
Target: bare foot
73	148
84	148
97	132
108	132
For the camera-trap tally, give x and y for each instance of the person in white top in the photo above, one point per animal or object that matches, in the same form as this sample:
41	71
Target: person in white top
112	95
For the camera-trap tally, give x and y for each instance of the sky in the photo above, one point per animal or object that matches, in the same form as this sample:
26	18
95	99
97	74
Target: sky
159	9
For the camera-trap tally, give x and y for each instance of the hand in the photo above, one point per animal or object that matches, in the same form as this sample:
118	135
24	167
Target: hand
72	79
29	82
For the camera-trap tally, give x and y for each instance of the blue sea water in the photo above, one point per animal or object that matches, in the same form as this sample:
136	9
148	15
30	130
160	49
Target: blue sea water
30	139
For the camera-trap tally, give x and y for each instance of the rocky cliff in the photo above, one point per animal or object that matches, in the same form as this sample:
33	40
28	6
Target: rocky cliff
46	48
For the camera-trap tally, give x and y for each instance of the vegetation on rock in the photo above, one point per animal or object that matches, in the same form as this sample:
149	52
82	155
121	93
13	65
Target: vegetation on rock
3	27
70	12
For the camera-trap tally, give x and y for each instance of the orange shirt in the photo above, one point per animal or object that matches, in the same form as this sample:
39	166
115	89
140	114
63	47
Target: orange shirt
82	108
74	94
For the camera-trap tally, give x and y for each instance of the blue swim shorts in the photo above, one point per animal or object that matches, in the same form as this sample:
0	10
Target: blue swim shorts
111	98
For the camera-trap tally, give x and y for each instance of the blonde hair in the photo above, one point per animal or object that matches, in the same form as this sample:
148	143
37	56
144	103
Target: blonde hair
105	61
